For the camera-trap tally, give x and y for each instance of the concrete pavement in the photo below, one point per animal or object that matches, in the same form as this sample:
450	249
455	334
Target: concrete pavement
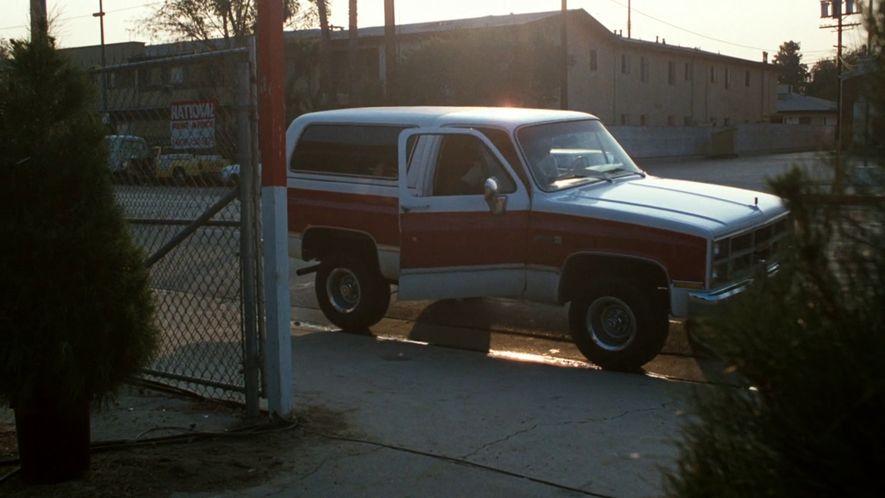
398	418
427	421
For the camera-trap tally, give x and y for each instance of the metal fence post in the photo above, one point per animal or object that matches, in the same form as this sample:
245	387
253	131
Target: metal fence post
246	159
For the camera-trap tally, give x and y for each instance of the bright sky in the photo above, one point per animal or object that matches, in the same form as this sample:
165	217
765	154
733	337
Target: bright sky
741	28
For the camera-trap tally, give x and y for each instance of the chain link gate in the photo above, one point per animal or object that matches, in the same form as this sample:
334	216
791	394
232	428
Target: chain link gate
182	153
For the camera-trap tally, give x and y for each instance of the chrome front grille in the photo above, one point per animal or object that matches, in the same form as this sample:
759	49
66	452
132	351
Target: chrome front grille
735	257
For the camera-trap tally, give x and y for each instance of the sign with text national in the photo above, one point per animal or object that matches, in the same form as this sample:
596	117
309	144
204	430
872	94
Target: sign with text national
192	124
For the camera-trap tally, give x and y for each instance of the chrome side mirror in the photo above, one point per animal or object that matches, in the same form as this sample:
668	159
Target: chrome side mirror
497	202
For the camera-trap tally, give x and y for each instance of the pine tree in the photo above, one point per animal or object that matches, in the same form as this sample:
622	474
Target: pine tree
806	345
75	306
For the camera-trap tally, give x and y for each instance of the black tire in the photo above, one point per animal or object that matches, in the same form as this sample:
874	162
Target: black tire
617	326
351	292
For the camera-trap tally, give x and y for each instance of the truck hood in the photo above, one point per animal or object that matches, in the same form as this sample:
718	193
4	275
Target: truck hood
701	209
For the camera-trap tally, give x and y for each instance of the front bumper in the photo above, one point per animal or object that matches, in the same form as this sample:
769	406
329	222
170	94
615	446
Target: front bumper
701	303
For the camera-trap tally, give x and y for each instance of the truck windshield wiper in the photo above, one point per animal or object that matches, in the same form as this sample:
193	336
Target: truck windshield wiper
585	176
629	173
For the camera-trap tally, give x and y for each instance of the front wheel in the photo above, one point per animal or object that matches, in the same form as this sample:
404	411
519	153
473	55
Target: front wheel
351	293
618	327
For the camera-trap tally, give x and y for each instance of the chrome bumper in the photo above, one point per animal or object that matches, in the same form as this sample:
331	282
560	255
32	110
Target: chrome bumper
703	302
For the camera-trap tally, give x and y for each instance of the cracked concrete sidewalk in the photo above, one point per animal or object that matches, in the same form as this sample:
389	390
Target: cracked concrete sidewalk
429	421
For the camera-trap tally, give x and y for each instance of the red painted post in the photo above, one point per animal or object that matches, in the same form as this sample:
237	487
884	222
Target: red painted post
272	141
271	99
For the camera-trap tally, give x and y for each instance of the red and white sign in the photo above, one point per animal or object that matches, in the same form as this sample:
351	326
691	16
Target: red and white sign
192	124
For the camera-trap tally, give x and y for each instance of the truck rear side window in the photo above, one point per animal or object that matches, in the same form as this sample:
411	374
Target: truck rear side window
354	150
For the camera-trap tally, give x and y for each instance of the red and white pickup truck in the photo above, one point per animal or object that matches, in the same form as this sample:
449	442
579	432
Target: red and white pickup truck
540	205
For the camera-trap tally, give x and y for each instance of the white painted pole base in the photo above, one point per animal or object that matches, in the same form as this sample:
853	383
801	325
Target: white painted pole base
278	340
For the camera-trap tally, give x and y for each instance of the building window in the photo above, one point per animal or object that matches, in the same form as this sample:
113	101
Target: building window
671	73
624	120
124	78
727	78
726	122
687	71
671	120
747	79
625	64
712	74
593	60
686	121
643	69
804	120
176	75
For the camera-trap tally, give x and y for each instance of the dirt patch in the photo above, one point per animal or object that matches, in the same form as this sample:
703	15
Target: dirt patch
201	465
8	445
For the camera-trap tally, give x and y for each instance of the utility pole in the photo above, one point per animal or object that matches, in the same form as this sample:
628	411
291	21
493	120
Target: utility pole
354	75
563	83
629	18
39	22
104	74
389	49
834	9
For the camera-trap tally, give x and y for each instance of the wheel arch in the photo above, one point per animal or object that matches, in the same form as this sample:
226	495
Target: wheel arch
318	241
580	268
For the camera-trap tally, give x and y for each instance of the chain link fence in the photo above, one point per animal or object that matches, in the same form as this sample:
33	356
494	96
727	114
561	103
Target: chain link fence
181	150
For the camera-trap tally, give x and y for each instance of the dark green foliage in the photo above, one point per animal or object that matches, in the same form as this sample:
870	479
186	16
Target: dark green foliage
489	68
75	308
810	341
807	347
228	20
791	71
875	24
824	80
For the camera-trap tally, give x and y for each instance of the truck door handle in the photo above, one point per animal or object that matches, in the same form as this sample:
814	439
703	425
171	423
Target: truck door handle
415	207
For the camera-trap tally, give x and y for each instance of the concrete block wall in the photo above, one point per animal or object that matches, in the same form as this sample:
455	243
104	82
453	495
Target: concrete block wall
771	138
644	142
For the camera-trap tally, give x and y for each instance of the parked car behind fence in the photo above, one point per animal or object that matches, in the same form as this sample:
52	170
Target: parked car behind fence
130	158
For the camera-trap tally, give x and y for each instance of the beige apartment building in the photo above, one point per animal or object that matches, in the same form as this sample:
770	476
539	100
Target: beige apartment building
630	82
626	82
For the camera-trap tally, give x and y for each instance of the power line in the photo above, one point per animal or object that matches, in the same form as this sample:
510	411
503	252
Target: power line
695	33
72	18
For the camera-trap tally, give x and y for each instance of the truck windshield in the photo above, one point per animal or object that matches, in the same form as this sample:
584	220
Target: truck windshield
570	153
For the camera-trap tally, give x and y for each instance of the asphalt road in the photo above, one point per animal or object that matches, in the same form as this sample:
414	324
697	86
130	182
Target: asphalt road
750	173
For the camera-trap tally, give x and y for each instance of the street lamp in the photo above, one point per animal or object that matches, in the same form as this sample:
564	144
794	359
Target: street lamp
104	74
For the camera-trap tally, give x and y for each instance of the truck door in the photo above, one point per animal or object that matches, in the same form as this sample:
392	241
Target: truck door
463	217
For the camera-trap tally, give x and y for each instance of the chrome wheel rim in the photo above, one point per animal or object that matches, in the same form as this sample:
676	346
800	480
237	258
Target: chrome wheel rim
611	323
343	290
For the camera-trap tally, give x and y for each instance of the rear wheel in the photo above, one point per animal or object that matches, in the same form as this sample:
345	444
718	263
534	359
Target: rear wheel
351	292
618	326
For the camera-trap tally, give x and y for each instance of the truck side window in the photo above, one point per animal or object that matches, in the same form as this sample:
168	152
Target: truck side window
502	141
463	165
357	150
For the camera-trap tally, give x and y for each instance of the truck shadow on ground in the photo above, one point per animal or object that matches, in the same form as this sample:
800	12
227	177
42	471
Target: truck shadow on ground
474	335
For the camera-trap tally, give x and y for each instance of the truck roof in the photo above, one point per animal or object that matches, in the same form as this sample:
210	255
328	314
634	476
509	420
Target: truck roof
506	117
